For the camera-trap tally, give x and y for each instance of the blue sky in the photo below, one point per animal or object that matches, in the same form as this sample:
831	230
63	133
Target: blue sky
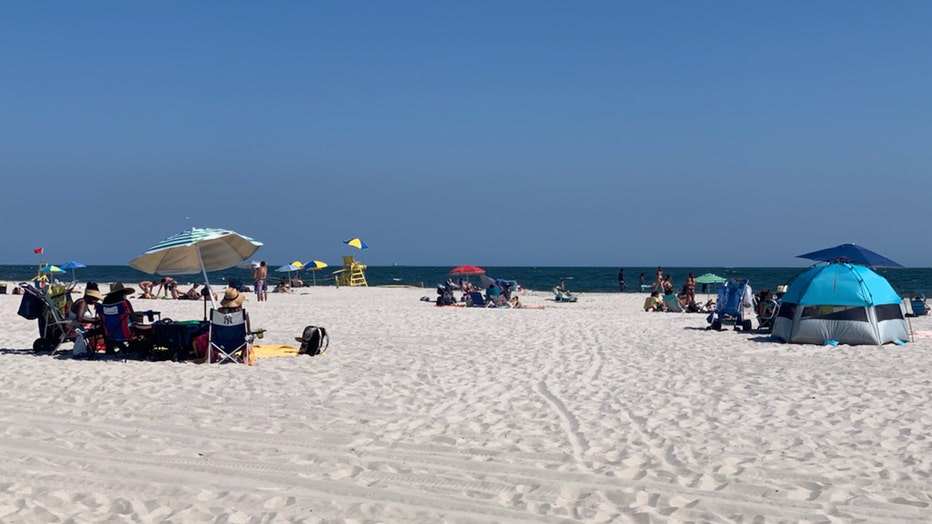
490	133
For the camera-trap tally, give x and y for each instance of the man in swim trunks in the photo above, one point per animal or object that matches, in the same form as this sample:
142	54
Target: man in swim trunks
259	275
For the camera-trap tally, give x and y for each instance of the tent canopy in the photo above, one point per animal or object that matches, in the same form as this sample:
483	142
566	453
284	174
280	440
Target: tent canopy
840	284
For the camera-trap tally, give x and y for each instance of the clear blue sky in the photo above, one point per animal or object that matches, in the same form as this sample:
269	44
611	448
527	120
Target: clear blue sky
490	133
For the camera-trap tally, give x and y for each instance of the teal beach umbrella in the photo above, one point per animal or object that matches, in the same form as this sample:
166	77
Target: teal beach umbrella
197	250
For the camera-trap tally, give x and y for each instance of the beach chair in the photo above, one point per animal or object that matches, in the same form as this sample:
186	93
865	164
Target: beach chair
918	305
229	337
121	330
729	307
672	303
767	314
561	296
475	299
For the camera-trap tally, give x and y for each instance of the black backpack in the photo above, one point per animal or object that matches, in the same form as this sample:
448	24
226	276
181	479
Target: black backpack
314	341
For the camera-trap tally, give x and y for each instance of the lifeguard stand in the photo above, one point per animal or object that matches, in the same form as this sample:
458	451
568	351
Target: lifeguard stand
352	274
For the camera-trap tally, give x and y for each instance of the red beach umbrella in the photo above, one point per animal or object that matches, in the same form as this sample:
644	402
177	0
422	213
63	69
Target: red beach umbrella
467	270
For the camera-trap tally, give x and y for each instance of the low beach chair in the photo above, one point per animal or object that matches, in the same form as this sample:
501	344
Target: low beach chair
120	329
918	306
229	337
767	314
672	303
561	296
475	299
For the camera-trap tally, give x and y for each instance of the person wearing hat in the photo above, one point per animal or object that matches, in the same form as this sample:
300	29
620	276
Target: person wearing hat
83	310
84	320
117	293
232	301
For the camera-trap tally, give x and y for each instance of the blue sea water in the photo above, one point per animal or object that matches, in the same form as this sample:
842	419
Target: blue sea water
907	282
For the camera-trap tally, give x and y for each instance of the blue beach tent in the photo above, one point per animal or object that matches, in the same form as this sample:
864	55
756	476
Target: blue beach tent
840	303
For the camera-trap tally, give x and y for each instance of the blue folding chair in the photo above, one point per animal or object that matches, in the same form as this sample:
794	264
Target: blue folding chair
918	305
121	328
229	337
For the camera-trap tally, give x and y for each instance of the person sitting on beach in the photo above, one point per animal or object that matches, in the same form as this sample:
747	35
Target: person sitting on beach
654	302
231	303
297	282
84	310
561	287
146	289
708	307
667	285
282	287
167	285
493	296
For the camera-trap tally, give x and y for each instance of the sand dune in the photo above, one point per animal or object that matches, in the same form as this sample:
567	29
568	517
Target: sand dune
594	411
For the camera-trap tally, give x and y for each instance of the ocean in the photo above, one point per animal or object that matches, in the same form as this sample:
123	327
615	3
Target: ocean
907	282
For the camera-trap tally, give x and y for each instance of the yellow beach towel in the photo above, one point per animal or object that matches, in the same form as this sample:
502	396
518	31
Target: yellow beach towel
267	351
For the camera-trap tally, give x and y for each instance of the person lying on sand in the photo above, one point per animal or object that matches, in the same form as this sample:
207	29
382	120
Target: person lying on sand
516	304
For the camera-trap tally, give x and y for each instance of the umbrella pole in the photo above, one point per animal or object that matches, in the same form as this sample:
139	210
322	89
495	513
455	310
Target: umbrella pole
213	304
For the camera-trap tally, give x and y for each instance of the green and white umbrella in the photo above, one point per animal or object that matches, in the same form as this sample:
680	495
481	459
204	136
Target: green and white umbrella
196	251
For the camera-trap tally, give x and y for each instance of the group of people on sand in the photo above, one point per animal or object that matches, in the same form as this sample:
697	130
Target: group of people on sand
663	286
84	313
168	288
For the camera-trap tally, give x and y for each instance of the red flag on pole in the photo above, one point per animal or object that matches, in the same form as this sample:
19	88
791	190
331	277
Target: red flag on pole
38	250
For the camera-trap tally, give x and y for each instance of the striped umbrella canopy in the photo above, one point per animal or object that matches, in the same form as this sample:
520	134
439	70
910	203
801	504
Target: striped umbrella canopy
313	266
196	250
357	243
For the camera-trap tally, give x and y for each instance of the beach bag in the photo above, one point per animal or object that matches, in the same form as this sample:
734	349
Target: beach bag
314	341
30	307
80	344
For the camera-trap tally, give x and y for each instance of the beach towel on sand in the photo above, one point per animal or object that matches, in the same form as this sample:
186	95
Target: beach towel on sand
267	351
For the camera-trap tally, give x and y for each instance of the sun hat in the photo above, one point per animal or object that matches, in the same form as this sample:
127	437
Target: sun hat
93	293
118	287
232	298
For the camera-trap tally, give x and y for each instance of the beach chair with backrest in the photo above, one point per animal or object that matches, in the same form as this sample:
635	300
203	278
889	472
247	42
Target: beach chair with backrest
475	299
561	296
918	305
767	314
672	303
729	308
121	331
229	337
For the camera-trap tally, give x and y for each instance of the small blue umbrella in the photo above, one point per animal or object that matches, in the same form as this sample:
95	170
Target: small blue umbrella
72	265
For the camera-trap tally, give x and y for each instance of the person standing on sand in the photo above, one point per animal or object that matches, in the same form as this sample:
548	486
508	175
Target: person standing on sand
621	281
259	276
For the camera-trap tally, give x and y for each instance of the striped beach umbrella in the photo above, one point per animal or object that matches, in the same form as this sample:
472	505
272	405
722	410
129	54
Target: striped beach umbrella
357	243
313	266
196	250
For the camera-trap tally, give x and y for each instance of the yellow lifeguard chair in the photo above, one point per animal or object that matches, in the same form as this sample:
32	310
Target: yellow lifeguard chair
352	274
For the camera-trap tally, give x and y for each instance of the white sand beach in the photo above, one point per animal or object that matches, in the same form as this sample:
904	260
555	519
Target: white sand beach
594	411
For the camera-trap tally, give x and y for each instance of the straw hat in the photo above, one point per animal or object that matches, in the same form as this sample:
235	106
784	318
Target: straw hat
118	287
93	293
232	298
